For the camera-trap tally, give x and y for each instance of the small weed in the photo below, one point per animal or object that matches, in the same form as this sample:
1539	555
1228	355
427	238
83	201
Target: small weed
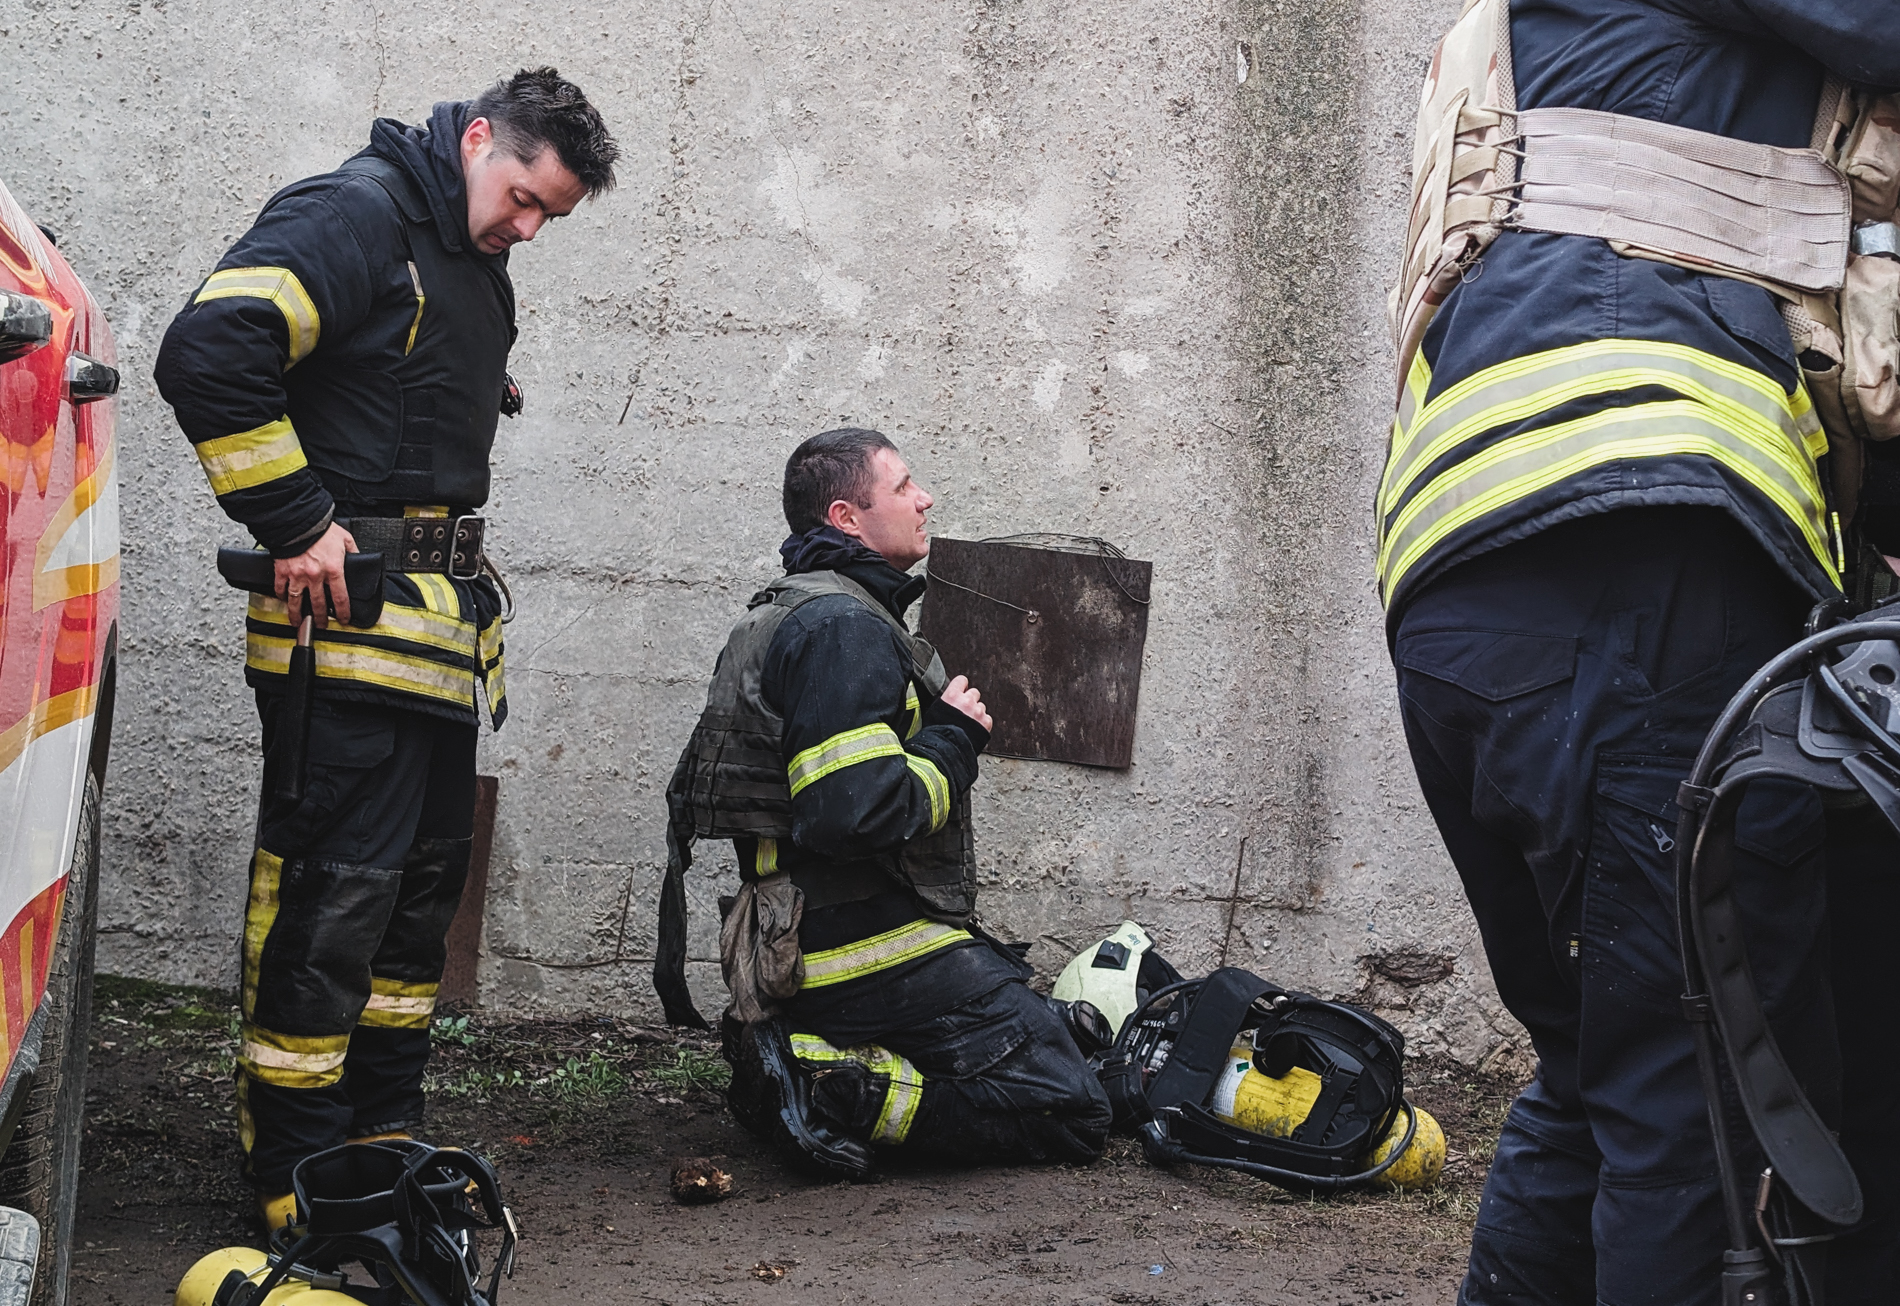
596	1077
692	1070
454	1030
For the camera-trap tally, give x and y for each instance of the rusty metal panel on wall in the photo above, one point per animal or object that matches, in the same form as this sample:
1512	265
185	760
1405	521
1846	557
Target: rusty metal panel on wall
1050	629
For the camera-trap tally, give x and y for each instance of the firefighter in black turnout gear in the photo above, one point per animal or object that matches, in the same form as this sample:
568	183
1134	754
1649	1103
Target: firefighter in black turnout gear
341	374
868	1008
1614	490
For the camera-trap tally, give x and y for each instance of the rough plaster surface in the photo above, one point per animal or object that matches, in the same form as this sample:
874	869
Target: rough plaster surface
1088	277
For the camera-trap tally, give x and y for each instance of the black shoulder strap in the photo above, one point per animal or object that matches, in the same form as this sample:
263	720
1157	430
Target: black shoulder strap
1200	1052
669	955
927	668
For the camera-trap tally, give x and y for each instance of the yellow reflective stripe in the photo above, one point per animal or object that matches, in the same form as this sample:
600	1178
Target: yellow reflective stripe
424	626
1521	389
395	1004
1512	469
260	913
903	1082
935	785
901	1100
281	287
237	462
292	1061
415	279
879	952
1418	383
912	706
842	750
360	664
765	858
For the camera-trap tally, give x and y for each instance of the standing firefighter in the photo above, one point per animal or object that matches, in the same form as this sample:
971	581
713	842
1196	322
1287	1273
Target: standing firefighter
341	375
1606	503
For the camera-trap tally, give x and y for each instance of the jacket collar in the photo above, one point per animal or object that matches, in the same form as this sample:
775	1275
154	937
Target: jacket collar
431	157
828	549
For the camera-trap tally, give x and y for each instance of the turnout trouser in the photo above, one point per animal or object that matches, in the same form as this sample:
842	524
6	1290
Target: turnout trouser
997	1079
352	892
1554	693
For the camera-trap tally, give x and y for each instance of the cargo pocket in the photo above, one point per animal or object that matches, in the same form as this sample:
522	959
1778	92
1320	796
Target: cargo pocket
1626	944
1493	664
965	1043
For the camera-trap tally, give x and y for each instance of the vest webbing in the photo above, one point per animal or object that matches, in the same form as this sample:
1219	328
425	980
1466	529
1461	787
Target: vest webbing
732	782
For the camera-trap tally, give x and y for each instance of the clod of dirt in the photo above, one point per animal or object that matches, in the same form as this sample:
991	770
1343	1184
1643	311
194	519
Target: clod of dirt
771	1272
697	1181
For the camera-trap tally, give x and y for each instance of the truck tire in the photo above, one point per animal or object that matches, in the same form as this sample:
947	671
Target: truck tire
39	1173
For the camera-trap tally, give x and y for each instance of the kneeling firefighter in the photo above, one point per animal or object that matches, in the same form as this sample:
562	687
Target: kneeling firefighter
867	1006
1646	330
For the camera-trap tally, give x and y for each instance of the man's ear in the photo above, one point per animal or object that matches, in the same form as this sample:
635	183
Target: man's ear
842	516
477	134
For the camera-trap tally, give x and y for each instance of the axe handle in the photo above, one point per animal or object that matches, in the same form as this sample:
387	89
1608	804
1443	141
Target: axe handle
293	739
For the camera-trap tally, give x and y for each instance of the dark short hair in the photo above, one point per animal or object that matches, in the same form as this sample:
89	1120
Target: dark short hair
826	468
538	109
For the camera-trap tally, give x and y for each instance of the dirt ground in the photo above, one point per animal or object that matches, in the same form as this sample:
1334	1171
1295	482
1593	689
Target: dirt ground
585	1119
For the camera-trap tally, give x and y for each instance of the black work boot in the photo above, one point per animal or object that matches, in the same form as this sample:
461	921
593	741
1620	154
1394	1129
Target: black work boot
1085	1023
778	1093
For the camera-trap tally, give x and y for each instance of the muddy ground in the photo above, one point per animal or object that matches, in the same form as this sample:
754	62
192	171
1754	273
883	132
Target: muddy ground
584	1121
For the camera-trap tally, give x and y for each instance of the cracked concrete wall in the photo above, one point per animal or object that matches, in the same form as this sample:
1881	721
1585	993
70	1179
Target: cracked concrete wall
1112	270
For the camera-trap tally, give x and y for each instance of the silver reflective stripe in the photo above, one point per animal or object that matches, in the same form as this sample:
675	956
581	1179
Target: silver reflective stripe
1782	215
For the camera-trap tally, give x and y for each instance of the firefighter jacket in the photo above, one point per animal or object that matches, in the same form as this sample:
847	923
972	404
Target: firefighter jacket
1561	379
865	784
347	359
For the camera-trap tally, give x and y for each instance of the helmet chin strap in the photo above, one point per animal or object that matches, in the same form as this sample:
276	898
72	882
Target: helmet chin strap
1821	723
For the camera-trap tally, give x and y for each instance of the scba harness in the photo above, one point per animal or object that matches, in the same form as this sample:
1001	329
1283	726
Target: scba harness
404	1211
1821	714
1179	1064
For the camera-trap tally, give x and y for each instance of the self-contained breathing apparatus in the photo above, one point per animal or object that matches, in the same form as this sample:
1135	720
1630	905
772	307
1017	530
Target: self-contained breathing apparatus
403	1211
1822	714
1236	1072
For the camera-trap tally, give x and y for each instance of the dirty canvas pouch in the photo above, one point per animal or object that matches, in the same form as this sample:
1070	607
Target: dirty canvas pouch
758	946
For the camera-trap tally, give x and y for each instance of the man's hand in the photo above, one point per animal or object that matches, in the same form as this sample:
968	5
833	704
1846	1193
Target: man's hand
316	569
963	696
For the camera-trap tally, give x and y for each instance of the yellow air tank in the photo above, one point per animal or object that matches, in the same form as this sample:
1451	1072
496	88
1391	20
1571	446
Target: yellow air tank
200	1285
1261	1104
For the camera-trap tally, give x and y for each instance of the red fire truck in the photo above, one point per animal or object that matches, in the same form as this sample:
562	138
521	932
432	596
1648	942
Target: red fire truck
59	608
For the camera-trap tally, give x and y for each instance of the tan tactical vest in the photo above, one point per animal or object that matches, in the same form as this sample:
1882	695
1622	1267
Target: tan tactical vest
1815	226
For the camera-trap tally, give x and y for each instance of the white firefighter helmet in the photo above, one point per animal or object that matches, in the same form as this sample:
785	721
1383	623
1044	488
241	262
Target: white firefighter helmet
1105	973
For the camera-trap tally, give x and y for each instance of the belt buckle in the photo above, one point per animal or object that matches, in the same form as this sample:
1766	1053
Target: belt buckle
465	555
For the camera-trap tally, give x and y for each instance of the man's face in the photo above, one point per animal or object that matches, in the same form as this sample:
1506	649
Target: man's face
894	525
508	200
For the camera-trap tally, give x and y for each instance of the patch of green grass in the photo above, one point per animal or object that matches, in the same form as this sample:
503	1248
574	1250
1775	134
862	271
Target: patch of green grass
162	1006
691	1070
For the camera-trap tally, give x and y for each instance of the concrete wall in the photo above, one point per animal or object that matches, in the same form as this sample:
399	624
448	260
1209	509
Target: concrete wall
1087	276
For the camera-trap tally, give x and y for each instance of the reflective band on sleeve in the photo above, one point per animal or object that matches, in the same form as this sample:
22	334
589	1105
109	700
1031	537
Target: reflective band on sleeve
935	785
290	1061
903	1082
1784	426
879	952
281	287
1513	469
394	1004
916	711
840	751
238	462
